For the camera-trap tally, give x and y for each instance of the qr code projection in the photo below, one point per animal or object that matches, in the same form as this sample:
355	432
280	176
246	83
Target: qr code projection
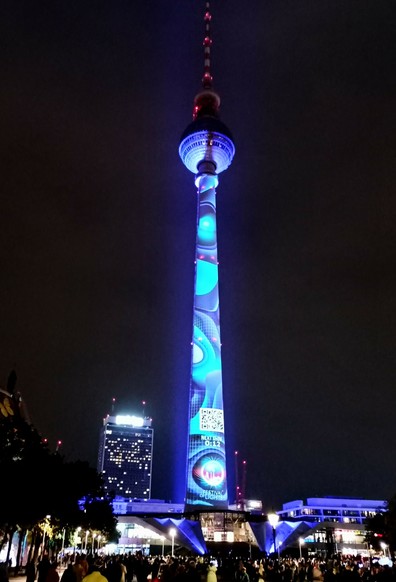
212	419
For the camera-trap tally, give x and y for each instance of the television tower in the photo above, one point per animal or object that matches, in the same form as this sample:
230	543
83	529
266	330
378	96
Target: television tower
206	149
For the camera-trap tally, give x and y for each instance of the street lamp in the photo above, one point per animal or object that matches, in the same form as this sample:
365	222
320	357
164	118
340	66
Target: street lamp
300	543
172	533
384	546
76	538
63	541
93	543
86	541
273	519
45	527
163	543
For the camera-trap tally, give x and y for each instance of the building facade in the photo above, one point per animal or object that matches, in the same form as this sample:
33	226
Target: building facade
125	456
324	526
332	509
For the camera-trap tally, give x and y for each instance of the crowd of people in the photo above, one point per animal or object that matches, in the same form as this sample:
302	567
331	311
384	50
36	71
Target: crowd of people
139	568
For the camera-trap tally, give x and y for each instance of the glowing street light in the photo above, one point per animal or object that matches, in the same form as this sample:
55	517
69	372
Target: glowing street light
63	541
46	527
163	544
300	543
172	533
76	538
384	546
273	519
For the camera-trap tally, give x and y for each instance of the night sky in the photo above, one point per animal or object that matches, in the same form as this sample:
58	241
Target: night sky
97	230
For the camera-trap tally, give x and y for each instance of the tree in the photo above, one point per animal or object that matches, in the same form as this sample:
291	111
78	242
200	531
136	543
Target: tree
36	483
382	528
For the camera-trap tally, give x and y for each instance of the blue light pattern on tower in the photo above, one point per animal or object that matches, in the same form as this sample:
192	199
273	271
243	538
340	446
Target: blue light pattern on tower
206	148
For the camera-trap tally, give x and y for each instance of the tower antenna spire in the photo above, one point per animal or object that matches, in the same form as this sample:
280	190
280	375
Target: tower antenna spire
206	149
207	102
207	79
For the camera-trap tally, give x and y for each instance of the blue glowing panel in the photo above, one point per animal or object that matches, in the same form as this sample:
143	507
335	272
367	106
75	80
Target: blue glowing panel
206	461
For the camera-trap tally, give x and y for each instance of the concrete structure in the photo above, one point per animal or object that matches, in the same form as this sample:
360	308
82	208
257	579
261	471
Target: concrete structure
206	149
322	525
125	455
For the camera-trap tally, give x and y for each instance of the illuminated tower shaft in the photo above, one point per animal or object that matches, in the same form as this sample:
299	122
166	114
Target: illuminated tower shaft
206	149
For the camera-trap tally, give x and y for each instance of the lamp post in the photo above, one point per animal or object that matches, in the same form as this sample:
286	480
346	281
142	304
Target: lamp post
75	539
384	546
300	543
93	543
86	541
273	519
63	541
46	524
172	533
163	543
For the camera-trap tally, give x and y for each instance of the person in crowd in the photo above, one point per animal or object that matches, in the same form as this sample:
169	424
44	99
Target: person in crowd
30	571
192	572
94	574
52	575
43	569
3	572
241	574
211	575
78	569
69	574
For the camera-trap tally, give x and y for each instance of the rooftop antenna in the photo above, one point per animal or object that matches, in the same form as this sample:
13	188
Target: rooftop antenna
207	102
236	479
207	79
244	464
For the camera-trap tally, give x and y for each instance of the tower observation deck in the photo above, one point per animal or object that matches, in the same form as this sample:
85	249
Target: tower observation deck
206	149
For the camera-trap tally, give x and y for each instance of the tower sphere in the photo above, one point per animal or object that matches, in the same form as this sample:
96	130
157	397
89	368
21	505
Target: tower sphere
207	139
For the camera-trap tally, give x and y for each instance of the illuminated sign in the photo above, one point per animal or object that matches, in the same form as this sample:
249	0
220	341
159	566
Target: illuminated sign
129	420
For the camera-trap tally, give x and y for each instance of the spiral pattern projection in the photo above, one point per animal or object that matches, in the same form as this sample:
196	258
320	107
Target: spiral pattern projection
206	459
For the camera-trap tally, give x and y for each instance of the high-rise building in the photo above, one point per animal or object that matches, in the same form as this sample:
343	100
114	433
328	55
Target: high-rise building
206	149
125	456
